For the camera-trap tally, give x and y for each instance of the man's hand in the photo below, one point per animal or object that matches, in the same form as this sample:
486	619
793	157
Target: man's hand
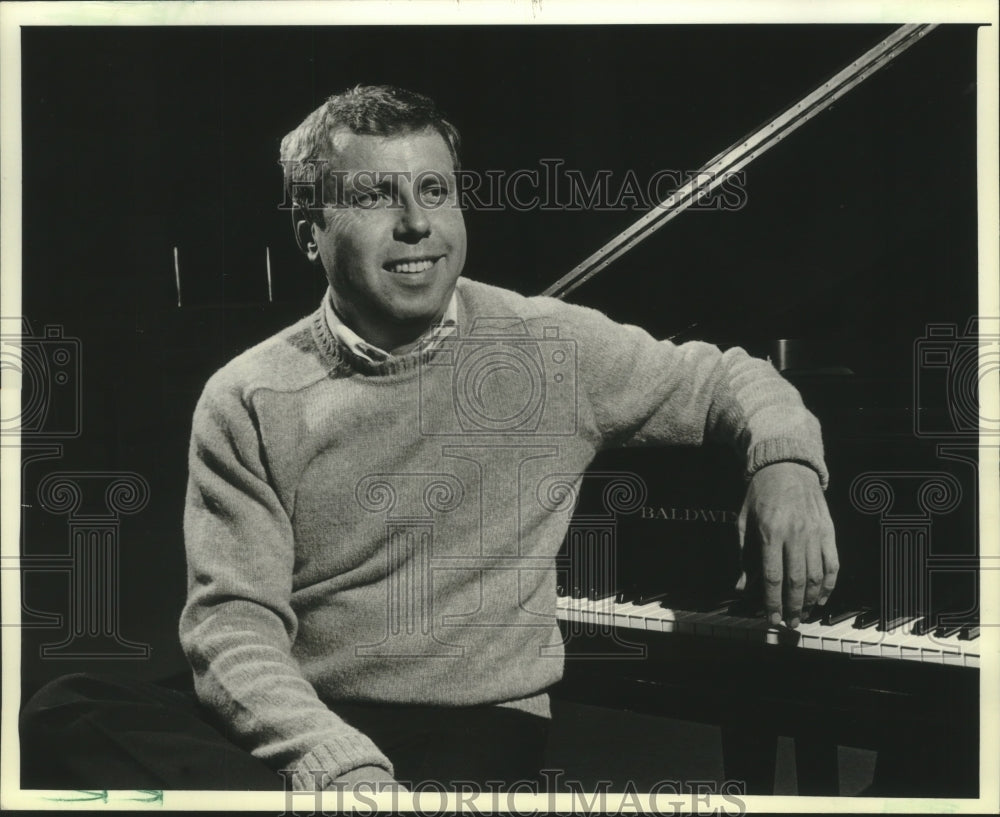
786	510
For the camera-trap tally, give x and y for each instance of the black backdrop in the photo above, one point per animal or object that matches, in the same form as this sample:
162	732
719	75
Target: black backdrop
859	228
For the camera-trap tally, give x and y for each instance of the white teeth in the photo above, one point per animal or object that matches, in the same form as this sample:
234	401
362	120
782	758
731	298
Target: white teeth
413	266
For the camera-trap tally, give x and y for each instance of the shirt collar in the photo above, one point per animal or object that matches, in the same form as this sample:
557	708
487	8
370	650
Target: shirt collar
373	354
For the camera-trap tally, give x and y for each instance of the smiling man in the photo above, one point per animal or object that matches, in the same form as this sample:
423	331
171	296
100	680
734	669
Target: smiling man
394	244
377	494
372	590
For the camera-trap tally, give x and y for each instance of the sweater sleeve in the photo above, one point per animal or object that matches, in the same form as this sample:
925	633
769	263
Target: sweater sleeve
238	625
648	392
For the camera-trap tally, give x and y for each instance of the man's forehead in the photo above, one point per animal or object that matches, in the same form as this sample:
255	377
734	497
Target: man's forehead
400	151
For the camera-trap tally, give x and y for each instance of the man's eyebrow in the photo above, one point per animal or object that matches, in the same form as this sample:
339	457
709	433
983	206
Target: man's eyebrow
436	178
375	179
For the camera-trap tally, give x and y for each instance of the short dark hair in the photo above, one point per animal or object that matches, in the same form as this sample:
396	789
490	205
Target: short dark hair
367	110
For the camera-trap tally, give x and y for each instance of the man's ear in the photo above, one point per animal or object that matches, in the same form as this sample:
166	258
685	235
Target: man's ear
303	223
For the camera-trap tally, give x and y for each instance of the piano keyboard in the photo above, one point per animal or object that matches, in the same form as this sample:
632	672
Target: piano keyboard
958	646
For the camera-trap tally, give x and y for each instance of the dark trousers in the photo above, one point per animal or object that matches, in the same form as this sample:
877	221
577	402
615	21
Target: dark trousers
85	731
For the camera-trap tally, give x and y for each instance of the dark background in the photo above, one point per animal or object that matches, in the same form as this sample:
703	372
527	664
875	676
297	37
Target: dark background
858	230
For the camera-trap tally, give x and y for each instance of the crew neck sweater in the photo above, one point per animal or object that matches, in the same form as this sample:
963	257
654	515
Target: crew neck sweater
385	532
361	348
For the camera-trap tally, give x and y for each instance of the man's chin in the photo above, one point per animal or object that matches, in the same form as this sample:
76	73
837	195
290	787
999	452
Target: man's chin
418	311
416	323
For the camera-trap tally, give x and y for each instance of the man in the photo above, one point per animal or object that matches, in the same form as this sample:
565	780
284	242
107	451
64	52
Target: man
289	617
370	543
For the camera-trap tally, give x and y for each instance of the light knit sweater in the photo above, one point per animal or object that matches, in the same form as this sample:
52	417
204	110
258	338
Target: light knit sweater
385	532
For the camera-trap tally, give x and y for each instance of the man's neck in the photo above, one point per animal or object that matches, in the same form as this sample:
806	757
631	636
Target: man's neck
396	340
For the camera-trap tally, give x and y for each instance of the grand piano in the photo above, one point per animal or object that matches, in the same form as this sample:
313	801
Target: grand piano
647	605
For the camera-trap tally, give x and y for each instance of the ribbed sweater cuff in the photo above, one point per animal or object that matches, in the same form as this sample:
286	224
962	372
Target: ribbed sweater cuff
336	757
784	449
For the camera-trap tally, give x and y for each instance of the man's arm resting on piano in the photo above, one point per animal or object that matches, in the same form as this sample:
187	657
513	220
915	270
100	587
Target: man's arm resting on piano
648	392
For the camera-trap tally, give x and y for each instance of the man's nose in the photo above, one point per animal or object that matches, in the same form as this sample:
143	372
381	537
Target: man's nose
413	223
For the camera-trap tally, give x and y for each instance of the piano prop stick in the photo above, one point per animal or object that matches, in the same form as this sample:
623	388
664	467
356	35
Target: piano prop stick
740	154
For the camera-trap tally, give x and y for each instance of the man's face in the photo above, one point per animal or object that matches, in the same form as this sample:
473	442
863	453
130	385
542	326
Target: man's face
394	246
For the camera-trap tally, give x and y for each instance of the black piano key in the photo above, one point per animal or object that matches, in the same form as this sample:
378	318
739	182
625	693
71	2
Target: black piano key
970	632
626	596
923	626
891	622
599	593
816	614
867	619
647	598
947	630
836	616
678	600
577	592
560	590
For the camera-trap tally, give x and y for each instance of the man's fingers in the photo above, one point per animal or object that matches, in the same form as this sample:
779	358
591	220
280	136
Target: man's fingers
831	565
795	582
788	514
773	572
814	572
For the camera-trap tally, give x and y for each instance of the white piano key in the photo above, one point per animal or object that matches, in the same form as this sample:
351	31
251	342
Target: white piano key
911	647
620	616
889	650
756	630
832	636
952	656
849	643
704	623
810	634
662	620
637	616
898	644
866	649
720	625
605	612
870	640
601	607
738	629
688	621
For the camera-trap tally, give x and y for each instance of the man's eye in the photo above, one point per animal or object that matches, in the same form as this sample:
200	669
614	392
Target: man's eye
434	195
369	198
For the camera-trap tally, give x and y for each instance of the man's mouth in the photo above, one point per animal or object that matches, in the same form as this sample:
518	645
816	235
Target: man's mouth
410	266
